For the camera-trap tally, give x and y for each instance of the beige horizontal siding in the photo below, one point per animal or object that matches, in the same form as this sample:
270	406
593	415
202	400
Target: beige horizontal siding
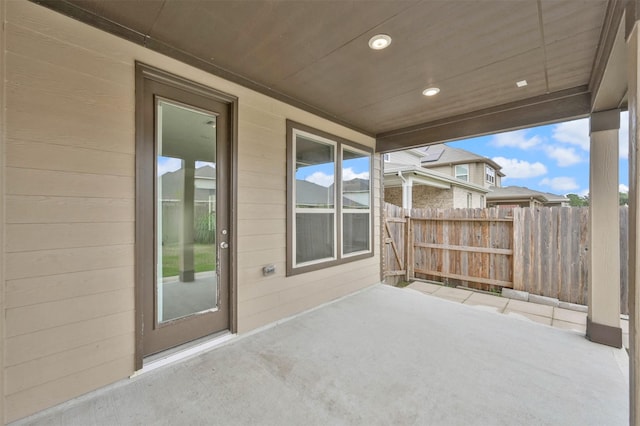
61	261
68	122
261	180
27	347
40	209
67	184
48	156
32	318
35	237
70	208
47	369
50	288
83	60
21	404
248	228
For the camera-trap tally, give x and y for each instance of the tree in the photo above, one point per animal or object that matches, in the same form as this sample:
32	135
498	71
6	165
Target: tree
577	201
624	199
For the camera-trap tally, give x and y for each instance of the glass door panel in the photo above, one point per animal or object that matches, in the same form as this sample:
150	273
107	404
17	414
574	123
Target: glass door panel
186	264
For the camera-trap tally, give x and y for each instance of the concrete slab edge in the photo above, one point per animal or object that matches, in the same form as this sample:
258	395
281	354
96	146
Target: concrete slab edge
544	300
515	294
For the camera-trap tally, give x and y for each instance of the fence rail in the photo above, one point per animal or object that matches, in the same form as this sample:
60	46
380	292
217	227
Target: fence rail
540	250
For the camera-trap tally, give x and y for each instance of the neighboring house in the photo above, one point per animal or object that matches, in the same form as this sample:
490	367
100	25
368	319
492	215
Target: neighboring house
442	176
518	196
439	176
463	165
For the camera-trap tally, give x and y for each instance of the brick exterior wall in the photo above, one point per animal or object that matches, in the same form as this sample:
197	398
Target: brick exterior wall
423	197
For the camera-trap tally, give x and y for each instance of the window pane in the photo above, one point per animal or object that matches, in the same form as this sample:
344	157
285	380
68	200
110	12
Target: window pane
315	173
356	232
462	172
314	236
355	180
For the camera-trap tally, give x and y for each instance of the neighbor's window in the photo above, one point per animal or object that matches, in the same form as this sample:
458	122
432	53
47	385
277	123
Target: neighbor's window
469	200
490	174
329	200
387	158
462	172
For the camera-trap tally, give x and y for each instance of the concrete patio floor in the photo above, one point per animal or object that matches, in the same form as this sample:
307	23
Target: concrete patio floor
544	314
381	356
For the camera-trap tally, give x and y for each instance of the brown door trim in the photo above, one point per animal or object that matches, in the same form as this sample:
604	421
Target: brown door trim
144	247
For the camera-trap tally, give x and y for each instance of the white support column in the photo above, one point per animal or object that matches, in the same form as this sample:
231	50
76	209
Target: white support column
603	321
407	192
633	73
187	263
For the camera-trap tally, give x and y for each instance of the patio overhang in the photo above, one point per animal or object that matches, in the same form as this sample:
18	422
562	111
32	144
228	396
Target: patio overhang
475	52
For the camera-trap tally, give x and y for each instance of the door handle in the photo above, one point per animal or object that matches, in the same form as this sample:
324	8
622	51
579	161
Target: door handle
224	245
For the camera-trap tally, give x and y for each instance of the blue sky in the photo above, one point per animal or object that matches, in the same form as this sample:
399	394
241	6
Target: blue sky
322	174
553	158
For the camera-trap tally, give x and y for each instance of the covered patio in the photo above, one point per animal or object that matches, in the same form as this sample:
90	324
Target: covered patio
81	83
381	356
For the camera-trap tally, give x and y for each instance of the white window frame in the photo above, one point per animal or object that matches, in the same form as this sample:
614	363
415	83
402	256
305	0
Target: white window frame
490	174
353	211
334	209
459	175
293	131
386	157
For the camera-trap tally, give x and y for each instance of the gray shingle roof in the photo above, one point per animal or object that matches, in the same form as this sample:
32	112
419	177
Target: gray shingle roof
441	154
520	192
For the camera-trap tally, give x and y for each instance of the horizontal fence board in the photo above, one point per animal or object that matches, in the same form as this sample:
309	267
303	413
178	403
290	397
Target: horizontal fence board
464	248
465	277
460	219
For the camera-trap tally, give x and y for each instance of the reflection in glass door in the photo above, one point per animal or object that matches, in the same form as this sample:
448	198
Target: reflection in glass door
186	280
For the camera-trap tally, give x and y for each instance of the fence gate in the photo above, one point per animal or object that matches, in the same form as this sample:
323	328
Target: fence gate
394	251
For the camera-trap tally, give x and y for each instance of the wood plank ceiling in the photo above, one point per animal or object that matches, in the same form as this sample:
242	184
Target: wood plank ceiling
315	53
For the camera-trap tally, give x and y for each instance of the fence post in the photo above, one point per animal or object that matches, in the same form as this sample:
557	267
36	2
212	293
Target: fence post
517	265
408	248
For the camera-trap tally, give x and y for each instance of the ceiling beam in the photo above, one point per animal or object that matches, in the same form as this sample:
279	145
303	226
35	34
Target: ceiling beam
551	108
608	74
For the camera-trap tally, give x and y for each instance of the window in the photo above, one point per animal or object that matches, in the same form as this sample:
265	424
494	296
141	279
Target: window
329	199
462	172
490	175
387	158
469	200
483	202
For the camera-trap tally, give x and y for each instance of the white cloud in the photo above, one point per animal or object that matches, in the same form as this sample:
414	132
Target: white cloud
584	193
623	188
623	135
564	157
349	174
562	183
516	139
573	132
520	169
320	178
168	164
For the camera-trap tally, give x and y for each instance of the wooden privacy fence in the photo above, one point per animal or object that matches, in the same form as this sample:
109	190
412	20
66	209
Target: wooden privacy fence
540	250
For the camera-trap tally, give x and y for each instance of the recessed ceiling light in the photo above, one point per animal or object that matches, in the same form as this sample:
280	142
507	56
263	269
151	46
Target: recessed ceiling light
521	83
379	42
431	91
